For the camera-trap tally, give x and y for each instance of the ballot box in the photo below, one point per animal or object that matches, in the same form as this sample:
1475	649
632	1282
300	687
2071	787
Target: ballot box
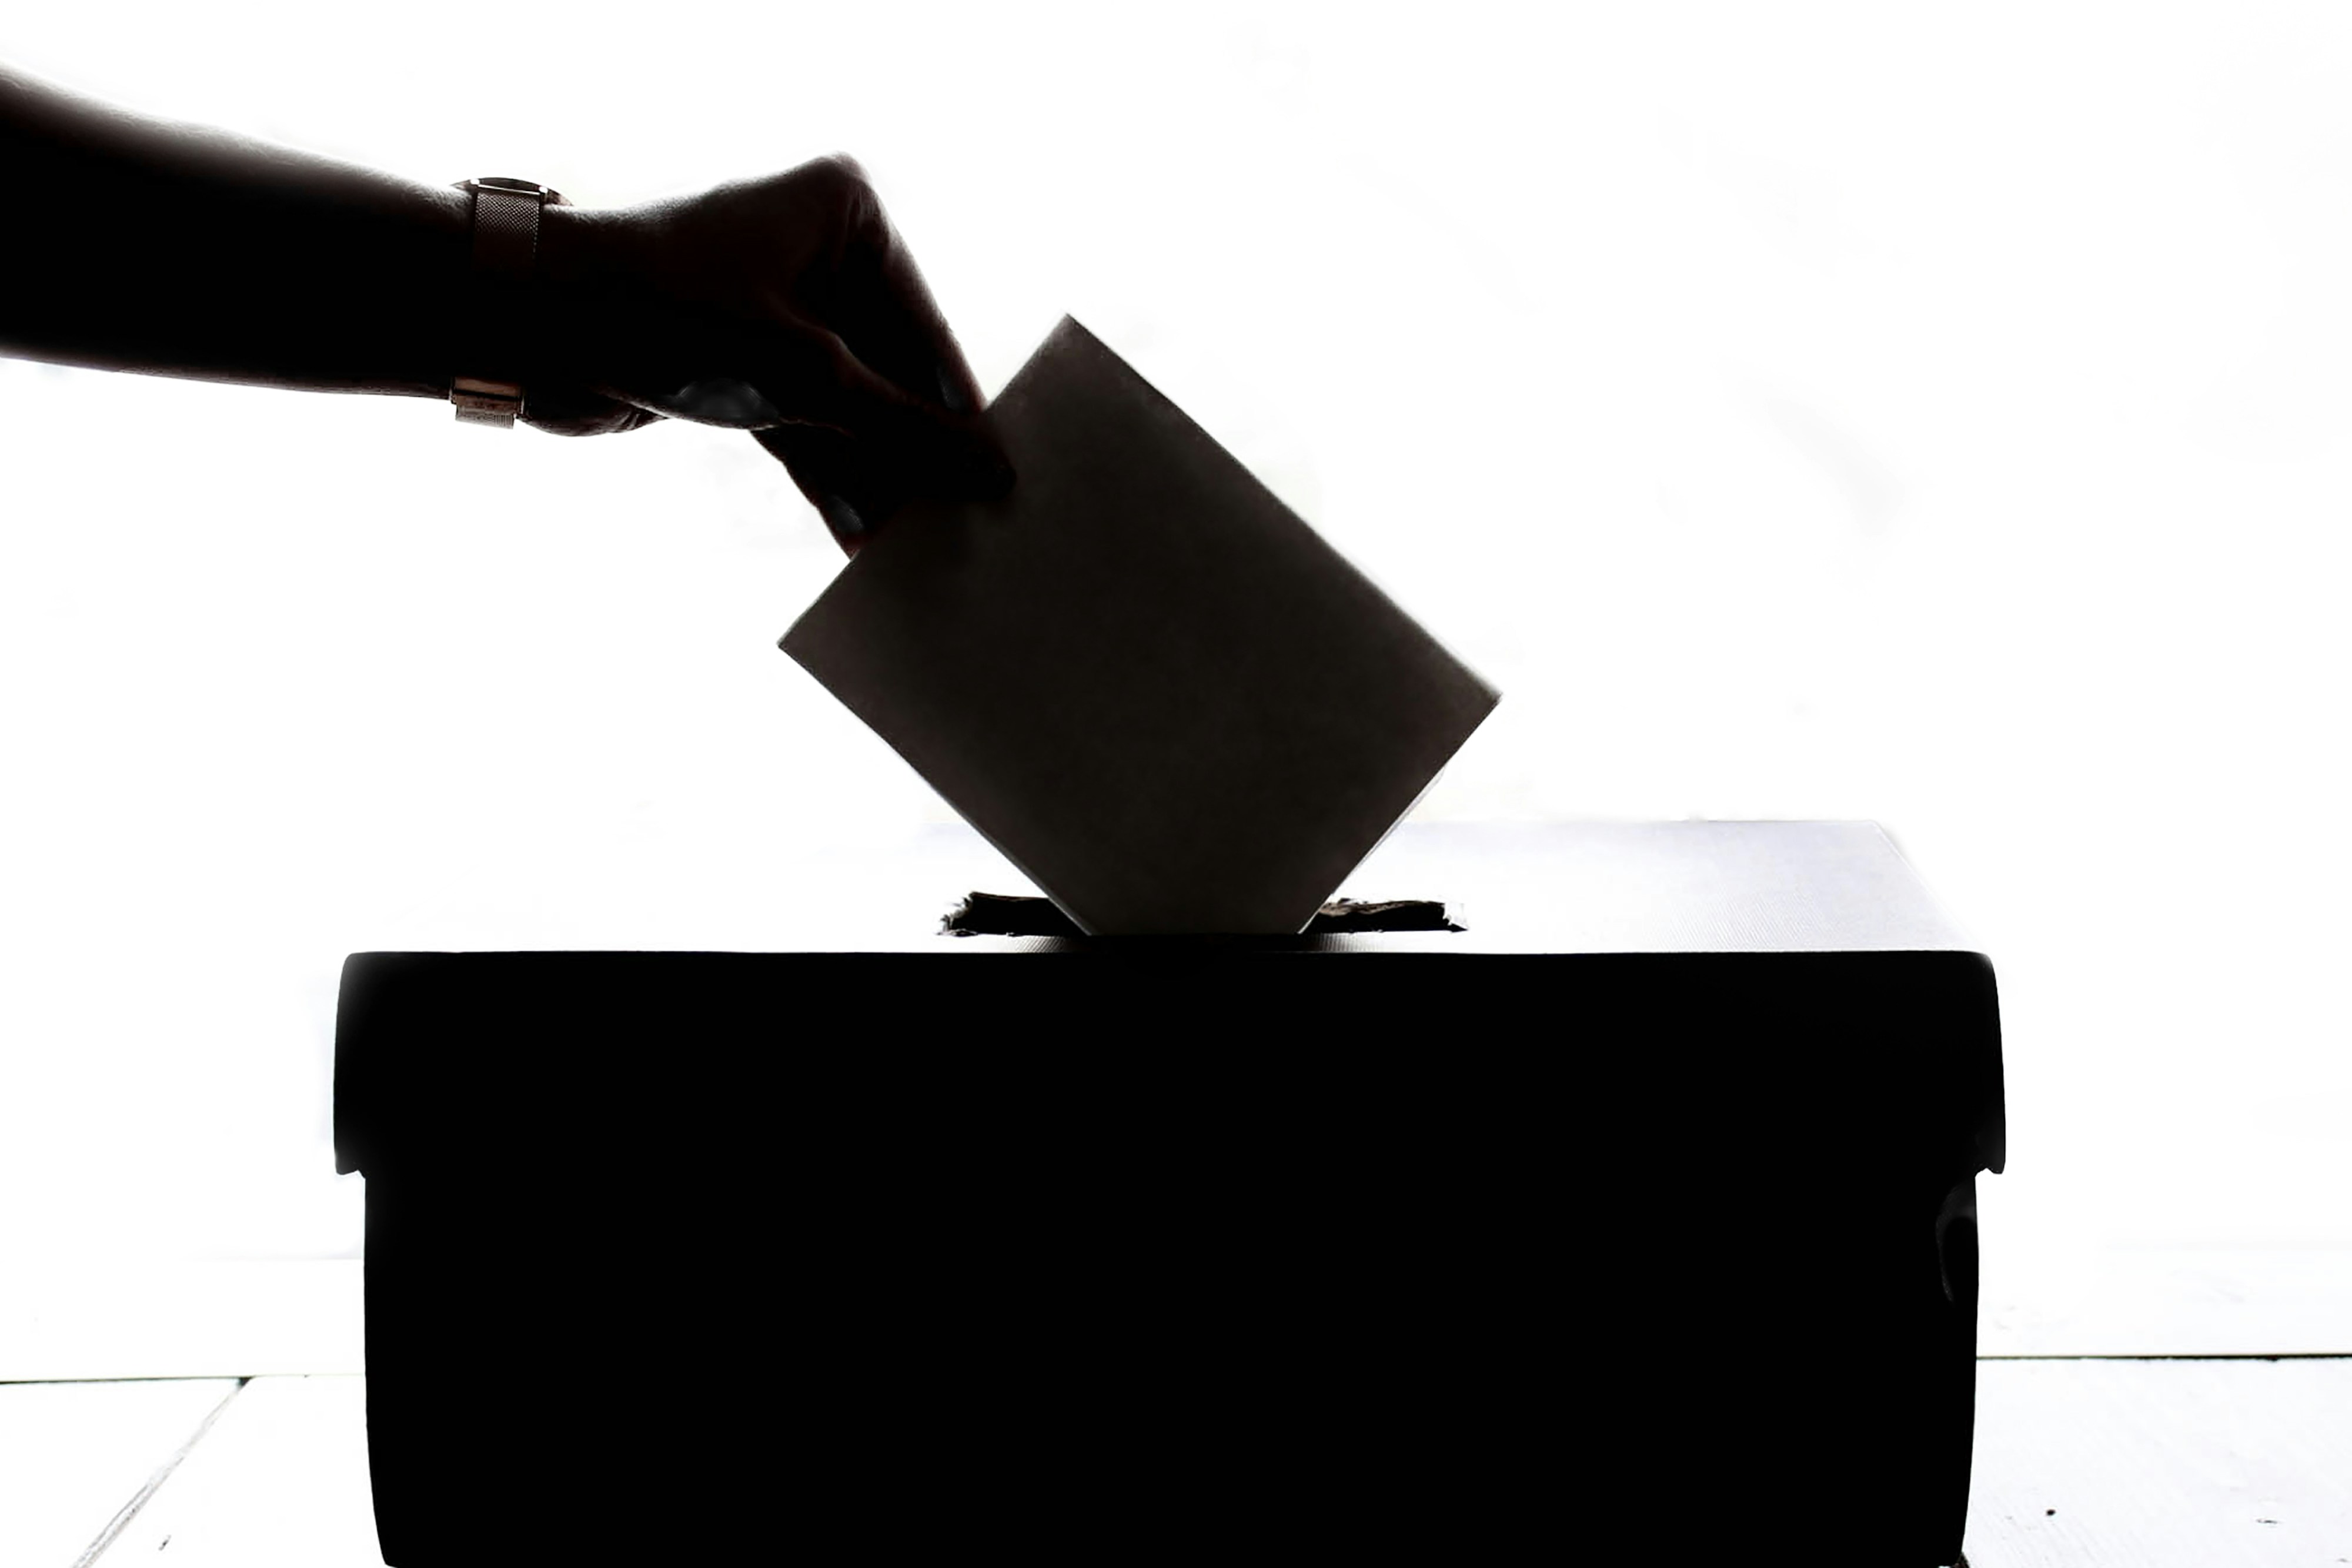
1643	1200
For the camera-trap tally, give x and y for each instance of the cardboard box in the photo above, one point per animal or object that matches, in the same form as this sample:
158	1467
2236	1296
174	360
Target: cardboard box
1644	1203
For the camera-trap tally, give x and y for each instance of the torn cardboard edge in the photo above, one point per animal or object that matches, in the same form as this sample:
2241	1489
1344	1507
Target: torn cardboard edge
1011	914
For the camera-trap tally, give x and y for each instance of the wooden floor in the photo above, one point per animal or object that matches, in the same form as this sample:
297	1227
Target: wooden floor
2197	1464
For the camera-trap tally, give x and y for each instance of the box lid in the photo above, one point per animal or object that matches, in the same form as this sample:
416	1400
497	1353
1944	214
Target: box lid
1753	934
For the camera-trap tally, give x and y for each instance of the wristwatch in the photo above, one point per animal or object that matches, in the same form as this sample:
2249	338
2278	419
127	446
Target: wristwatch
506	242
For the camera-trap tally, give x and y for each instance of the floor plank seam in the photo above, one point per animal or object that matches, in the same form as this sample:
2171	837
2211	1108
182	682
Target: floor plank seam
129	1510
151	1377
2196	1355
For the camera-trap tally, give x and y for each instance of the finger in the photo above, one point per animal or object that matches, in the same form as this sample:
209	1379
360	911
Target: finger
567	411
807	375
893	437
814	459
854	486
716	400
891	320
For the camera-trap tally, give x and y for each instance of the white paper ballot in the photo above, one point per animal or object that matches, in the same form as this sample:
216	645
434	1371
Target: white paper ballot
1140	675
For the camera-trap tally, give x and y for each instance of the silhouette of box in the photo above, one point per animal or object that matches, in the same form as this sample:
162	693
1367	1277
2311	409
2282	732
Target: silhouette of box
1646	1201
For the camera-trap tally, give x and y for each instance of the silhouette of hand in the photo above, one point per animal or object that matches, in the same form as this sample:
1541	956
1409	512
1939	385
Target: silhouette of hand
787	306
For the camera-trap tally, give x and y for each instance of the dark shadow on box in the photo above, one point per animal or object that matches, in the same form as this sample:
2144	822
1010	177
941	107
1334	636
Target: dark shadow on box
1113	1250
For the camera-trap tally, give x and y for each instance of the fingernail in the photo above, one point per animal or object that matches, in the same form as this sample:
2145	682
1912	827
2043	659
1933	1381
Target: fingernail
840	516
952	392
723	400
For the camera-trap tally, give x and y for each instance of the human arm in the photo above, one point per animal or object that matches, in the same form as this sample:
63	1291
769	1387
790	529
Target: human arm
786	305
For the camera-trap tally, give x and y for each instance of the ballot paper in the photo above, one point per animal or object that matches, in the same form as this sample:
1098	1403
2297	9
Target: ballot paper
1140	675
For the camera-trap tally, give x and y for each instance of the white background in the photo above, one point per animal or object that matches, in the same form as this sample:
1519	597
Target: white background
1941	415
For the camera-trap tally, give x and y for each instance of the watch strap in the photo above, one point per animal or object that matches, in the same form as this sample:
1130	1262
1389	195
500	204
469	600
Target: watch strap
505	246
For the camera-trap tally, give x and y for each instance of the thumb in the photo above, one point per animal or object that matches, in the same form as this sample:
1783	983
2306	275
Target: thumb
809	379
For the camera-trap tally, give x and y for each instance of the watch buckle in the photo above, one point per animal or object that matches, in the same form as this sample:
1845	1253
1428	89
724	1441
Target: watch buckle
487	402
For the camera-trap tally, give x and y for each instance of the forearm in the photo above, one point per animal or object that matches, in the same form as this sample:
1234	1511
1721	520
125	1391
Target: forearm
145	246
786	305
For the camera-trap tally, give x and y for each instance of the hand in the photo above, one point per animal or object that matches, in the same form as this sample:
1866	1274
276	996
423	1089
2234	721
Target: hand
787	306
